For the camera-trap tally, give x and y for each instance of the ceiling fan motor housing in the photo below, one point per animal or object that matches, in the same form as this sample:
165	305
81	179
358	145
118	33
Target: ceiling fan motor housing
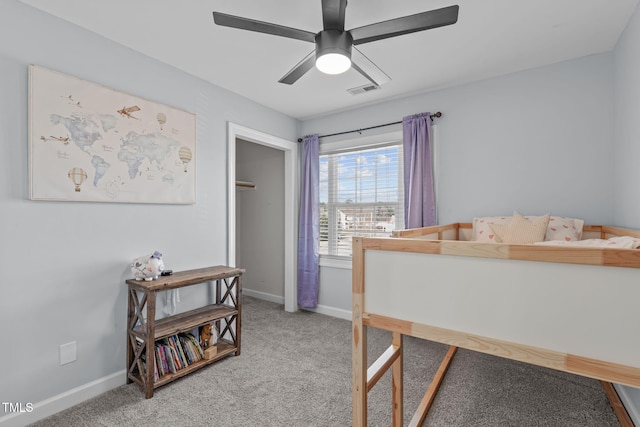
333	42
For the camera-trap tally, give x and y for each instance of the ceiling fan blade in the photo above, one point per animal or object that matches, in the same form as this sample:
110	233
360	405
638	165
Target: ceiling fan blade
333	14
262	27
368	69
405	25
300	69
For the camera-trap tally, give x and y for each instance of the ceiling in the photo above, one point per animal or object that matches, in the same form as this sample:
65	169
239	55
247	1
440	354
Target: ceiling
491	38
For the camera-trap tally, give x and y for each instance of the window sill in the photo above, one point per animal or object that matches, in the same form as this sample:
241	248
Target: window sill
335	262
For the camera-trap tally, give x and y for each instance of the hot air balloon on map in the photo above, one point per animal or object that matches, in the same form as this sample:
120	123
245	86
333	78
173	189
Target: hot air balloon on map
77	176
185	156
162	119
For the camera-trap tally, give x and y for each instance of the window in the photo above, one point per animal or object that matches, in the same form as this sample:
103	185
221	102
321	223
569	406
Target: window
361	194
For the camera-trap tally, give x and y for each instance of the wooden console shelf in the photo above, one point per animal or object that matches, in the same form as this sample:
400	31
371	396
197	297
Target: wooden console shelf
143	330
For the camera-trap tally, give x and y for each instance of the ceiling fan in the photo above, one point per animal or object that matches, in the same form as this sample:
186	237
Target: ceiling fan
335	50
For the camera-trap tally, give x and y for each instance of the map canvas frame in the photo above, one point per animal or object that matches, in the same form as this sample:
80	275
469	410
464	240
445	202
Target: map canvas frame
90	143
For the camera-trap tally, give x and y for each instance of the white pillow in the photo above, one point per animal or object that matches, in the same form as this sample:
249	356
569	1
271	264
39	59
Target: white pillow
565	229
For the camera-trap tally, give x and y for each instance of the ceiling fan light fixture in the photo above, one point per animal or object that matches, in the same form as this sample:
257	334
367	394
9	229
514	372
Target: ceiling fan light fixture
333	51
333	63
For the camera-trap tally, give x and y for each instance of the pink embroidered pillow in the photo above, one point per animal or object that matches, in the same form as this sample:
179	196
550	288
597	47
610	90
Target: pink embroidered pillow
565	229
522	230
482	231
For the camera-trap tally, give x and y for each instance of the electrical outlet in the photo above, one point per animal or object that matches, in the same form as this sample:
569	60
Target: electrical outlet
68	353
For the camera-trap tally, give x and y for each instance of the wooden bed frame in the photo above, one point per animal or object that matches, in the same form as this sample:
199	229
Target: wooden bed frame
573	309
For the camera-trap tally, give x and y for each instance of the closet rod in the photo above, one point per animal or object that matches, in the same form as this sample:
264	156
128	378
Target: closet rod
438	114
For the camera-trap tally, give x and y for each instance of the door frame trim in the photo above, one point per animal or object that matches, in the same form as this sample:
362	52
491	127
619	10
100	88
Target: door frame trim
290	150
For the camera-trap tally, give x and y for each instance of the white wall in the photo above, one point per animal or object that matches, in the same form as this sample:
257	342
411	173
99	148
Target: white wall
626	185
627	125
537	141
527	141
64	264
260	212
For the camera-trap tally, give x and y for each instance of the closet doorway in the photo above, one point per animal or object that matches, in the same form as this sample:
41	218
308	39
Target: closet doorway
261	176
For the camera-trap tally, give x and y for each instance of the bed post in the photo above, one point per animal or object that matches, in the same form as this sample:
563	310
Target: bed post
359	348
397	381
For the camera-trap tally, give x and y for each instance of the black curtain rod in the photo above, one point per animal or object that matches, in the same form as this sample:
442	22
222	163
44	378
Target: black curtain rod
438	114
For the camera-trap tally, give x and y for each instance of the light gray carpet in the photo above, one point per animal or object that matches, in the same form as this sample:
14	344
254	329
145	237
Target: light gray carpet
295	370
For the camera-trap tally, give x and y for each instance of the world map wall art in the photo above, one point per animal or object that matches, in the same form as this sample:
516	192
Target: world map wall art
90	143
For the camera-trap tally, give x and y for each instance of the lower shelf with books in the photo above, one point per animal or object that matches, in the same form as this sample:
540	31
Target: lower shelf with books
224	349
178	355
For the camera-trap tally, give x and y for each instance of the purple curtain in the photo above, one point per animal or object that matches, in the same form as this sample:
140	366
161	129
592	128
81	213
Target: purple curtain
419	199
309	225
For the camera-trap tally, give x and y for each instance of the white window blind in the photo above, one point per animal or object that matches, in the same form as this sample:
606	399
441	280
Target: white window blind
361	194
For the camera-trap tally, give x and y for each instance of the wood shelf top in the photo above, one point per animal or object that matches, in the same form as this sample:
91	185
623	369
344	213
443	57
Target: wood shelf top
185	278
184	322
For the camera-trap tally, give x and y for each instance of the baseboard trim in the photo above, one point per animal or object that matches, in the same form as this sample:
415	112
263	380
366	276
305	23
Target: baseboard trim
321	309
263	295
629	404
65	400
331	311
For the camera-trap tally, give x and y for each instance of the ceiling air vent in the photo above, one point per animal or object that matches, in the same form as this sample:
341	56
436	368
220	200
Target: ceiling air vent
362	89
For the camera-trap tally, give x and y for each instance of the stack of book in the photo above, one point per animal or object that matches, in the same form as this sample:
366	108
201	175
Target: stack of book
176	352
